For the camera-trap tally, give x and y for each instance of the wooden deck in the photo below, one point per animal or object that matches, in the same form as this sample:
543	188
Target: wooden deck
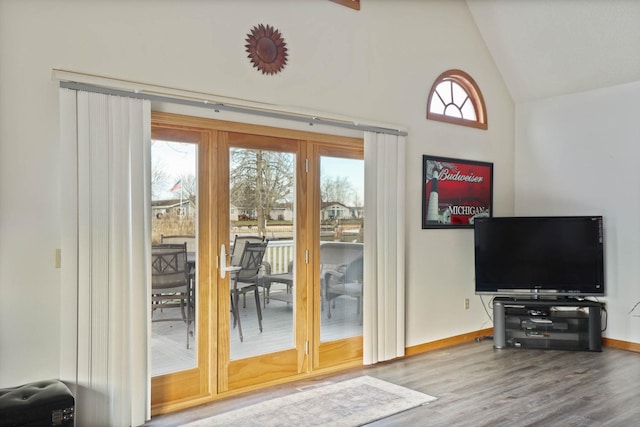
168	339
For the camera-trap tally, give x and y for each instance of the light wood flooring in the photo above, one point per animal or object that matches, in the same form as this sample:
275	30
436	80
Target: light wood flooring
477	385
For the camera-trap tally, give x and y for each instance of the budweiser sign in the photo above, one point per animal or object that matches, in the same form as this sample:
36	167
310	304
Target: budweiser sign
455	192
447	175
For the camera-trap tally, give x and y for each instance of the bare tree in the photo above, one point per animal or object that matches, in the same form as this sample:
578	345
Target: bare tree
159	179
357	200
336	189
189	188
261	180
172	170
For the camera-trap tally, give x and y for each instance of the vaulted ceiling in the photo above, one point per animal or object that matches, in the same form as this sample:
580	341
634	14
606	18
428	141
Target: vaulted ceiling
546	48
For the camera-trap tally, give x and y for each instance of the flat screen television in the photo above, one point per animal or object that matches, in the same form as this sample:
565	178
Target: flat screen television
529	256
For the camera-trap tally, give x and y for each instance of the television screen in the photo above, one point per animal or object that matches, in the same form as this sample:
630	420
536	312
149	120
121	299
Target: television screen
539	255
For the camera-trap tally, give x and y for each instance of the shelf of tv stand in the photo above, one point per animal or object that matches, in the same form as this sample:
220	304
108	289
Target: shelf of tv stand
558	324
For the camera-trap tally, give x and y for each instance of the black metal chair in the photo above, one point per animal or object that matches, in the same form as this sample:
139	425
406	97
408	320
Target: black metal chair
236	253
170	282
246	279
189	239
238	247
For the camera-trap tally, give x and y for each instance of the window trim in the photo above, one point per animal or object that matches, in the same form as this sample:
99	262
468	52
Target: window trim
469	85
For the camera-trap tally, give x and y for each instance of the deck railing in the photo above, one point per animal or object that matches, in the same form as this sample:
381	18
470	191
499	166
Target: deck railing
279	253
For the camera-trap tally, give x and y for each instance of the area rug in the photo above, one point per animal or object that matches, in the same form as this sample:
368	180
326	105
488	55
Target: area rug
345	404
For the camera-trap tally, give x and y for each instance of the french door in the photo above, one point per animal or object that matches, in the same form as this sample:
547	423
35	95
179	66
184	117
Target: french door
264	178
263	183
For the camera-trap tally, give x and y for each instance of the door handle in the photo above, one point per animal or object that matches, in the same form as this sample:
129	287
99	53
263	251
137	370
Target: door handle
223	263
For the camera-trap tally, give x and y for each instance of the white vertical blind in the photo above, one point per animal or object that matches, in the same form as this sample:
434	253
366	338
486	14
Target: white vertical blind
105	149
109	208
384	267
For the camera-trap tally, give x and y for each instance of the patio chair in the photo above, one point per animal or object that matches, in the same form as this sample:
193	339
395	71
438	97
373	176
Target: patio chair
345	283
170	282
335	256
246	279
268	279
236	253
238	246
190	240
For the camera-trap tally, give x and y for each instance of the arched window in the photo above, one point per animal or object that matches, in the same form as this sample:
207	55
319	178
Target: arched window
455	98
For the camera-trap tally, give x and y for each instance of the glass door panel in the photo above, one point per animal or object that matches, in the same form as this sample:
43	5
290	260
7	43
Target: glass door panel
341	247
262	208
262	334
174	218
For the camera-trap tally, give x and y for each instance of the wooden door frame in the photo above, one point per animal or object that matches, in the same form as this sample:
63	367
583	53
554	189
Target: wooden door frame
197	386
170	391
347	351
257	370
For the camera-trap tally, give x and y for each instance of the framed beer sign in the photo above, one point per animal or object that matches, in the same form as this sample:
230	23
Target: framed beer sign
455	192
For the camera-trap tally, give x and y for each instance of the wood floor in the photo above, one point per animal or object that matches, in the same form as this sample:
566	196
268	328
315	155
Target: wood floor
477	385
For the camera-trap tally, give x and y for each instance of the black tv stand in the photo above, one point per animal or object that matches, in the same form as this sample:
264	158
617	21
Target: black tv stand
551	323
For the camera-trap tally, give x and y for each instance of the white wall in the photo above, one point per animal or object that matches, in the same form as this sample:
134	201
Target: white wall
579	155
378	63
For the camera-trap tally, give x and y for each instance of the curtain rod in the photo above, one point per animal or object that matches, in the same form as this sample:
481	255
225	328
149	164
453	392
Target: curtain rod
219	106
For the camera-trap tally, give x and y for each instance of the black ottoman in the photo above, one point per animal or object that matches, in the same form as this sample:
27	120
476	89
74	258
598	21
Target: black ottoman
39	404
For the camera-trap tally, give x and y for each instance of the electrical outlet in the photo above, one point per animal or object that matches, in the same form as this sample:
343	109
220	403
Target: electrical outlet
466	303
